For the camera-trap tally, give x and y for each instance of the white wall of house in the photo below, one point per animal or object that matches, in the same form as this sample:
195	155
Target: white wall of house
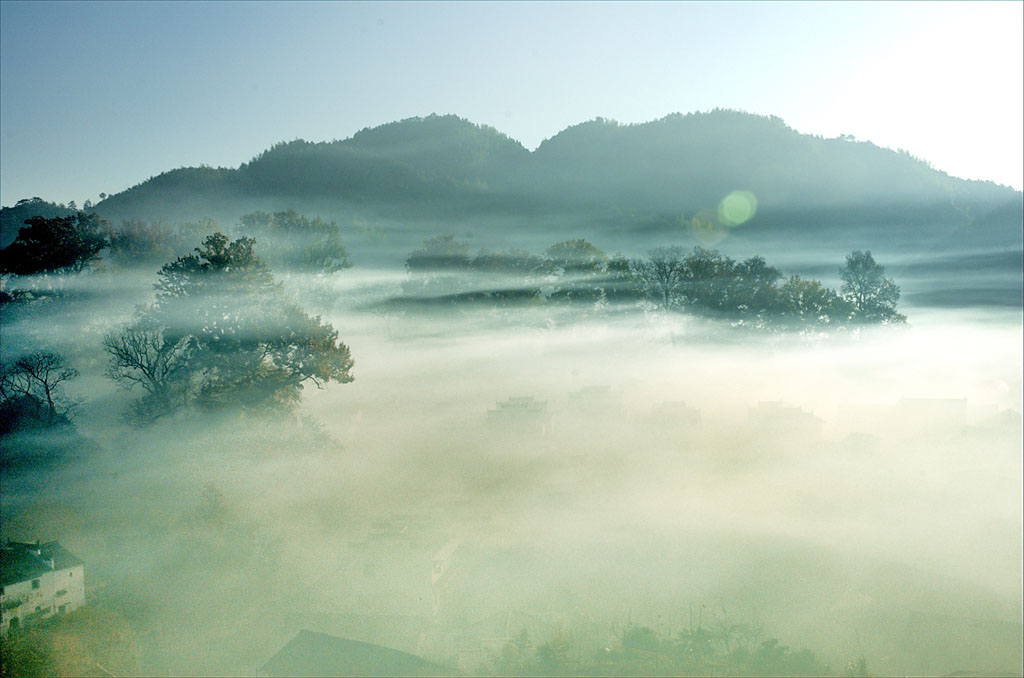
53	592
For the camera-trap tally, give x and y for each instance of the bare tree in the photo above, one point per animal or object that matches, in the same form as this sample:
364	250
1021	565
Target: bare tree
142	356
36	379
663	274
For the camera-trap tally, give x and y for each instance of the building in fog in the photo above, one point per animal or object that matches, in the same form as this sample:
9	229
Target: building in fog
778	421
927	413
319	654
676	414
39	580
521	415
592	400
674	422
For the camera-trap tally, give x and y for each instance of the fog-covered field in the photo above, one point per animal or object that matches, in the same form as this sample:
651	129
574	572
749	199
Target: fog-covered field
856	493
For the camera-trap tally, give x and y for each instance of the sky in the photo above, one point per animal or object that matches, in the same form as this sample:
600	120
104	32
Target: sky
99	96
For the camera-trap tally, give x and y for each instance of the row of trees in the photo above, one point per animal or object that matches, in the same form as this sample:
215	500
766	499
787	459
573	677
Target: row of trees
670	278
729	650
288	241
221	330
709	282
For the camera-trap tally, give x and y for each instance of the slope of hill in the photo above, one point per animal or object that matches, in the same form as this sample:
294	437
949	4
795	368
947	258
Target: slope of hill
629	181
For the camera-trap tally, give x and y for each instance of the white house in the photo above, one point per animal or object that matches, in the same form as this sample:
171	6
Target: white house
38	581
521	415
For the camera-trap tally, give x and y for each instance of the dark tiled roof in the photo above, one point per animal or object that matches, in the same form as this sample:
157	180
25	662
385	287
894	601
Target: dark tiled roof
62	558
20	565
20	561
318	654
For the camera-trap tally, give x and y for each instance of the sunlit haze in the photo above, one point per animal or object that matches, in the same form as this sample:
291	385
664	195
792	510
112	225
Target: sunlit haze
96	97
511	339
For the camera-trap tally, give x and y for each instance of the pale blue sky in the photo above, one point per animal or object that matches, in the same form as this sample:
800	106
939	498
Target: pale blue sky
99	96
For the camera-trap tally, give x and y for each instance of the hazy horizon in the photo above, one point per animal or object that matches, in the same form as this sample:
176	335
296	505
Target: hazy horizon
718	395
901	75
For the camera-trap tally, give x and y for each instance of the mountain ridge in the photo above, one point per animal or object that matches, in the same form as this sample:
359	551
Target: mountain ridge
668	171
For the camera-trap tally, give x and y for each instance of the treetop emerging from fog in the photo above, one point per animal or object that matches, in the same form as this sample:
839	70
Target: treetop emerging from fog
699	281
223	332
55	245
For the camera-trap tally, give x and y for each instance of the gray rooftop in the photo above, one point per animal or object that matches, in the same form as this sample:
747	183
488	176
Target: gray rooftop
21	561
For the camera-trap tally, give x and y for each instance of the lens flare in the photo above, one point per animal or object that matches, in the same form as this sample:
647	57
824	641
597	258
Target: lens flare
737	208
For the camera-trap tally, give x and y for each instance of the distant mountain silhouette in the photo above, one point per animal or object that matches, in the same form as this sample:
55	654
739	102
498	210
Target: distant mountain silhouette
630	180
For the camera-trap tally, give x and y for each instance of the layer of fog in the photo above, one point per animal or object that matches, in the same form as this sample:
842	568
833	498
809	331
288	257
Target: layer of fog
873	509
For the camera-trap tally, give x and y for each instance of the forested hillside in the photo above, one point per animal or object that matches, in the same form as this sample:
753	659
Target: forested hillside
627	179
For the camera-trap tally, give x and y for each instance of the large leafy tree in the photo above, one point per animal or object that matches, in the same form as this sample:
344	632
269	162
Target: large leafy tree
874	297
509	278
57	245
442	253
296	243
223	332
438	270
810	303
579	264
138	242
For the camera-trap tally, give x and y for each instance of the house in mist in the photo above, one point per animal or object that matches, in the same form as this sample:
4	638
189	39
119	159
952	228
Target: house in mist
39	580
319	654
677	414
592	400
675	418
773	420
522	414
928	414
593	409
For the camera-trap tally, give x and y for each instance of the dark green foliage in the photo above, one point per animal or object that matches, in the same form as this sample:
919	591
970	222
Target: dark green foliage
708	282
60	244
290	241
223	333
702	281
440	253
474	156
13	218
809	302
620	282
511	262
138	242
873	296
578	264
724	650
438	269
577	257
32	392
552	657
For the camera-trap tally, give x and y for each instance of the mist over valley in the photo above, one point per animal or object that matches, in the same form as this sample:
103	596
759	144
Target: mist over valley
699	396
